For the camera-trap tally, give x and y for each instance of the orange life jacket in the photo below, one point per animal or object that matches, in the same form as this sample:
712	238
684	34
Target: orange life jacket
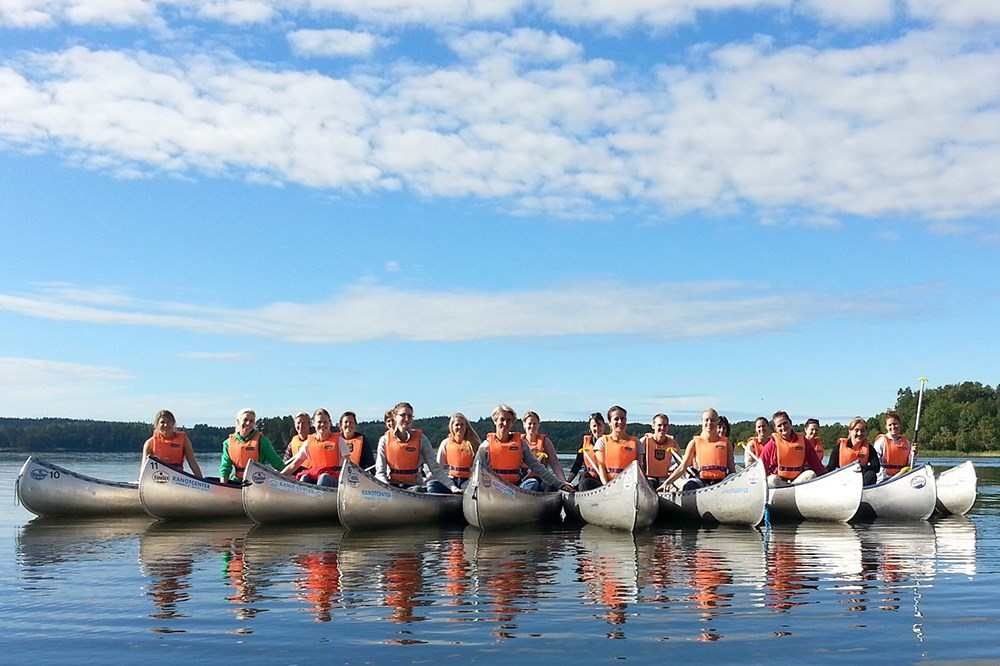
505	457
403	458
538	448
754	446
619	454
324	455
296	444
589	456
459	456
895	454
817	445
240	453
658	456
791	455
170	451
355	445
848	454
712	457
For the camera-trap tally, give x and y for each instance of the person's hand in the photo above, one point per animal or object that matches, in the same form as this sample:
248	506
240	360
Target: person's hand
456	490
568	487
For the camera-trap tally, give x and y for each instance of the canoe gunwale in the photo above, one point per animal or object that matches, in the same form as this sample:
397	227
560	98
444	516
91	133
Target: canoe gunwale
47	489
535	507
301	501
419	507
783	503
897	498
685	504
226	503
637	500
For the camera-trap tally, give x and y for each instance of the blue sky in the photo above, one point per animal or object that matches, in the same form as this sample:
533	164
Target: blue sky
747	204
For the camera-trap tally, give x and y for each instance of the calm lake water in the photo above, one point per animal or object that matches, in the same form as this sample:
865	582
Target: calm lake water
97	591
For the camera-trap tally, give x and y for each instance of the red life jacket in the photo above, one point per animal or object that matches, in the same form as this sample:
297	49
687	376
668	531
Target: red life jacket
403	458
712	457
505	457
240	453
170	451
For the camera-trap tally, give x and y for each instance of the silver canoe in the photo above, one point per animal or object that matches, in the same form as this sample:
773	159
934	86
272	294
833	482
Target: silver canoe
169	493
739	499
364	502
956	490
906	496
50	490
269	497
624	503
834	496
492	503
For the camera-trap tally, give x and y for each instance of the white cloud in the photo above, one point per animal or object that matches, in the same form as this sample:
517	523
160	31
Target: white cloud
527	43
660	311
25	372
334	42
849	13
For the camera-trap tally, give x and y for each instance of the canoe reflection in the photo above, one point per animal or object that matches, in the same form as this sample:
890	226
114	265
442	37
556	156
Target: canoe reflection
608	566
46	541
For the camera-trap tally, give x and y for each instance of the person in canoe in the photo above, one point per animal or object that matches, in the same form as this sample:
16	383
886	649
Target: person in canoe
169	445
323	455
755	443
302	425
616	450
456	452
724	428
811	431
402	450
660	448
543	449
787	457
246	444
855	447
892	449
586	460
709	453
507	453
360	448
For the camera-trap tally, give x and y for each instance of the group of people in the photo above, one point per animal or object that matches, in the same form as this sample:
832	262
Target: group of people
405	457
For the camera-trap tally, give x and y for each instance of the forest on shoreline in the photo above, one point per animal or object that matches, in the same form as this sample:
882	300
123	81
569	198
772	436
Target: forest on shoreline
956	418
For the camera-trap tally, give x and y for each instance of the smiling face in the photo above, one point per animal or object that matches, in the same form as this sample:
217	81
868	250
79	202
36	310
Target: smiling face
783	426
661	428
503	422
859	433
812	430
165	426
596	428
893	427
763	429
459	426
618	420
710	422
348	426
531	427
245	422
403	419
302	425
322	423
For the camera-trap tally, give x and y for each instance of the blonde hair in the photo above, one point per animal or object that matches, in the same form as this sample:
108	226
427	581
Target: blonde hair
503	408
471	436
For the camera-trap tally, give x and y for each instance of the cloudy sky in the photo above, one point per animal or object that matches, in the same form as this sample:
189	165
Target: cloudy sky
749	204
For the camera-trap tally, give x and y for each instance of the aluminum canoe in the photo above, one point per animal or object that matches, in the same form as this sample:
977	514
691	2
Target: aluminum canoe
269	497
50	490
492	503
364	502
172	494
739	499
627	502
834	496
956	490
906	496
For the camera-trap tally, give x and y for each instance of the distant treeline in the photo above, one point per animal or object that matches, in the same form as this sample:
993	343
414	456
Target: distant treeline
957	417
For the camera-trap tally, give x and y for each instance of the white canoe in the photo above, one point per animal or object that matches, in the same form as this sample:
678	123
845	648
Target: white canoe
624	503
364	502
956	490
492	503
834	496
739	499
50	490
906	496
269	497
169	493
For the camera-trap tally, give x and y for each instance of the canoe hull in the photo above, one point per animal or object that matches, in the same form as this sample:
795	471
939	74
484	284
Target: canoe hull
834	496
739	499
364	502
45	489
956	490
492	503
624	503
171	494
269	497
907	496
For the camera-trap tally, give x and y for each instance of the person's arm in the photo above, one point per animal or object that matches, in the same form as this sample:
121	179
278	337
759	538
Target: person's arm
225	463
381	464
577	466
814	461
602	471
833	462
146	448
189	455
295	462
269	455
769	457
442	455
731	457
682	466
554	463
541	470
427	455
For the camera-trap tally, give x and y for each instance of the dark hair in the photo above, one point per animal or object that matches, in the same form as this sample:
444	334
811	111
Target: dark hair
724	422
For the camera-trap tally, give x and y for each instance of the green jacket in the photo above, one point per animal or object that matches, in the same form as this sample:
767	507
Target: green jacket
265	453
